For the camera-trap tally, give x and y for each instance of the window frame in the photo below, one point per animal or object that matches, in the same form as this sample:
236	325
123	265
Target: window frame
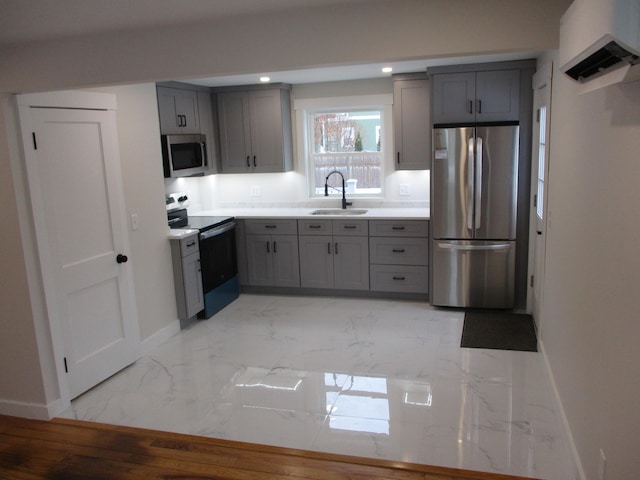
306	107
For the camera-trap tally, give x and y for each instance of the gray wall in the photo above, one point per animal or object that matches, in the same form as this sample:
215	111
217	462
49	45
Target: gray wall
590	323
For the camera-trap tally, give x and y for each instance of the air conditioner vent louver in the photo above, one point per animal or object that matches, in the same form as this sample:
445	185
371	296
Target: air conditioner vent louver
603	60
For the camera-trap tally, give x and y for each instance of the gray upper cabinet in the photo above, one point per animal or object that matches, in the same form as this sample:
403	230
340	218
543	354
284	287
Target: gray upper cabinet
255	130
411	122
484	96
178	111
207	127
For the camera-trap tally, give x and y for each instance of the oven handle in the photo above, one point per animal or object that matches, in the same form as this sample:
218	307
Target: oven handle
218	230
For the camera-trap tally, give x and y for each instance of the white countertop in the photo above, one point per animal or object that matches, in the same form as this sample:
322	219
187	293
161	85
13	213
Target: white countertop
180	233
276	212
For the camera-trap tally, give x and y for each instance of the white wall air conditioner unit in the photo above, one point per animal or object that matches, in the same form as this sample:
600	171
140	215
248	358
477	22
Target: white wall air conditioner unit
600	42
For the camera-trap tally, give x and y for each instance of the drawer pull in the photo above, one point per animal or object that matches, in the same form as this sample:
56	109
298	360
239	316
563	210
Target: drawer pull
398	277
398	250
395	227
315	226
270	226
329	248
350	227
191	244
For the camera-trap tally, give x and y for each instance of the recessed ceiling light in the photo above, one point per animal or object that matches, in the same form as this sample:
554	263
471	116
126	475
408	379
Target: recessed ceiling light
265	79
387	70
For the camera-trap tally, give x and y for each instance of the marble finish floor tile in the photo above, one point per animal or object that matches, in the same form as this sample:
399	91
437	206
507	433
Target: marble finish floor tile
374	378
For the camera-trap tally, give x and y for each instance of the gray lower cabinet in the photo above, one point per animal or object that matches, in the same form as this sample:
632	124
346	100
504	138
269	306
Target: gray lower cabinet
185	254
272	258
334	254
399	256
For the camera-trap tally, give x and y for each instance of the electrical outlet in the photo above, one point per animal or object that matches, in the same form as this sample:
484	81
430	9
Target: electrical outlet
255	190
602	466
404	189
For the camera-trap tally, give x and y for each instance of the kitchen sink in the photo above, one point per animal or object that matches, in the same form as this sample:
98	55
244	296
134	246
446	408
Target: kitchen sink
338	211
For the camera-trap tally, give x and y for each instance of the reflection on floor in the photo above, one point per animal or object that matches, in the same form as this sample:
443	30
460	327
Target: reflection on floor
373	378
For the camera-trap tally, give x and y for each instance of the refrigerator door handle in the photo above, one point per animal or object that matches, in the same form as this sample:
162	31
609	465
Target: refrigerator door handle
470	168
468	248
478	186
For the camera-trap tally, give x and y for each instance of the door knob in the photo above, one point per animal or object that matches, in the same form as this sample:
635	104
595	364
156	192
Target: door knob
122	258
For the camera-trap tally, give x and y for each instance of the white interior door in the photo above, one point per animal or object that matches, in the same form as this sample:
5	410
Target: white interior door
539	179
76	190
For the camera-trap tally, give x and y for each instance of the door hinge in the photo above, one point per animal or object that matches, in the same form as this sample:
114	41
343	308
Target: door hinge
531	281
535	200
35	143
66	370
538	115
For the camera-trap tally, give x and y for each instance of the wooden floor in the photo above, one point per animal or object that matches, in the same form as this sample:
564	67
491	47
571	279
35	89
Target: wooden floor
70	449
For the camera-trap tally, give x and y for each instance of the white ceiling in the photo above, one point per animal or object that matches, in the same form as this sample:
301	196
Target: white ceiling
25	21
36	20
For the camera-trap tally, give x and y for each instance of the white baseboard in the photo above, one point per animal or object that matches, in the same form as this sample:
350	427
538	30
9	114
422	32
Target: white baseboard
37	411
579	472
159	337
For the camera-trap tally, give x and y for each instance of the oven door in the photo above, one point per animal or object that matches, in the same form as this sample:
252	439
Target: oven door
218	256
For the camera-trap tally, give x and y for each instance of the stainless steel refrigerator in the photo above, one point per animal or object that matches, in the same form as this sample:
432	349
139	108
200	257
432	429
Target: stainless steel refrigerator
474	185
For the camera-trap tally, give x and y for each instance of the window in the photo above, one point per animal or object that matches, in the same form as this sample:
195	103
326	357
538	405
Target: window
345	134
542	149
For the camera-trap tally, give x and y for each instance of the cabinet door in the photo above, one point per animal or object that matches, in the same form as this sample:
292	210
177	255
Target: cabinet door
316	261
259	260
351	262
286	263
266	131
187	106
412	124
454	97
498	96
178	110
194	300
235	134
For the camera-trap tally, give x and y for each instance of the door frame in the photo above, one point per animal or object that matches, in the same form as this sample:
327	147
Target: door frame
542	80
50	333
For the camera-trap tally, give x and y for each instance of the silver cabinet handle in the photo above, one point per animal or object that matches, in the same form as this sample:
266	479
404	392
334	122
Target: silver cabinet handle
470	164
478	190
469	248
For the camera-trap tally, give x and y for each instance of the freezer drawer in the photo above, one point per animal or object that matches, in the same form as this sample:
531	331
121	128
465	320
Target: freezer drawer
478	274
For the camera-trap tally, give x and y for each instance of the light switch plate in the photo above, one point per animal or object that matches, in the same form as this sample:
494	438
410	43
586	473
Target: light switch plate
135	222
255	190
405	189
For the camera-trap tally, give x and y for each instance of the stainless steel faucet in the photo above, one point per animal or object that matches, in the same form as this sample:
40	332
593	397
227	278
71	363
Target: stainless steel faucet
326	189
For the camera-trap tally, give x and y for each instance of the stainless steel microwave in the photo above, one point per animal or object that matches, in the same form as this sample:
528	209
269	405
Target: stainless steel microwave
184	155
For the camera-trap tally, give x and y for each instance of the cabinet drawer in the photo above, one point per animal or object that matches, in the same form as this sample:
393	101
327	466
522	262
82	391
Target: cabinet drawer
397	278
279	226
398	251
399	228
314	227
350	227
189	245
